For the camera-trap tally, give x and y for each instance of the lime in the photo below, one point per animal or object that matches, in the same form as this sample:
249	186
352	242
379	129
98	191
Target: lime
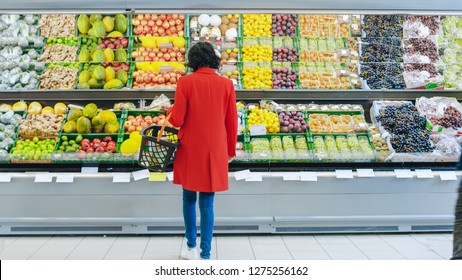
64	138
79	138
72	142
65	143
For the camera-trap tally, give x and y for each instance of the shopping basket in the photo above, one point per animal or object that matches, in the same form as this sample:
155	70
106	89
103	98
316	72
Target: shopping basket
158	146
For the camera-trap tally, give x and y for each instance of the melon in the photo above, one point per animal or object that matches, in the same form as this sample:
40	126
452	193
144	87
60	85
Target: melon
83	125
111	127
90	110
108	116
97	124
60	108
70	127
47	110
74	114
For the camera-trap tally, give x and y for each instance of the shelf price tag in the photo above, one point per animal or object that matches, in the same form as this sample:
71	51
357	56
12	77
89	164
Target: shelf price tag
424	173
448	176
140	174
121	177
89	169
241	175
259	129
43	178
65	178
157	177
344	174
365	173
170	176
254	177
403	173
5	177
308	176
291	176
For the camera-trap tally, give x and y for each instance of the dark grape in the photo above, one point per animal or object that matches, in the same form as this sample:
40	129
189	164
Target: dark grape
407	129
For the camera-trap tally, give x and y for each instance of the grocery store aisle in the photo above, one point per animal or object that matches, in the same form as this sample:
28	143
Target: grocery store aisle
231	247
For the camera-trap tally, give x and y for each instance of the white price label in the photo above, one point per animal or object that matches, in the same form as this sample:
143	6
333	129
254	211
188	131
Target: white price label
365	173
309	176
448	176
5	177
292	176
43	178
403	173
256	130
344	174
140	174
89	169
65	178
241	175
254	177
424	173
170	176
121	177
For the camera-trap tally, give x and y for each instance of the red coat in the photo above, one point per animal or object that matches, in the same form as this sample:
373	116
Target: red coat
205	111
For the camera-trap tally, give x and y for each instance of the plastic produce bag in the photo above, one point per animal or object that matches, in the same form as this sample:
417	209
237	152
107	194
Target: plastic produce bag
160	103
3	145
9	132
7	117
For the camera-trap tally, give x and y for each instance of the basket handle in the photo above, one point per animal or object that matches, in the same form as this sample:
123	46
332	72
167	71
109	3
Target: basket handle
161	131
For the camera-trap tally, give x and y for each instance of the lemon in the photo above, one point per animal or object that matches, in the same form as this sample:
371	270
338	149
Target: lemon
136	136
129	147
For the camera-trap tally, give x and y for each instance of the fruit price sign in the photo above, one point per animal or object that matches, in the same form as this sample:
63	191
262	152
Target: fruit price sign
259	129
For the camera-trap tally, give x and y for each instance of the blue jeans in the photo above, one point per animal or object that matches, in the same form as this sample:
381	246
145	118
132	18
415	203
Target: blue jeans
207	220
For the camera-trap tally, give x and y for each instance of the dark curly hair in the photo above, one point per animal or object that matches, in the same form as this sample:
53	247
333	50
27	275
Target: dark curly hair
202	54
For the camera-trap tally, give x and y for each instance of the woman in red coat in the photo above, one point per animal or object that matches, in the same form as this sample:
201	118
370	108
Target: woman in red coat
205	111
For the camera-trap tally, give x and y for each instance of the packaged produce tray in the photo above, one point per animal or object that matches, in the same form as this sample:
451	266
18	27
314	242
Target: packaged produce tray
444	114
128	120
9	128
395	156
323	50
324	76
324	25
343	147
162	53
158	25
203	27
128	23
72	156
103	83
121	117
282	147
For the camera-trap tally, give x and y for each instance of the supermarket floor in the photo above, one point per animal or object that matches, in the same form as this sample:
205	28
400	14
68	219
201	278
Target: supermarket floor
435	246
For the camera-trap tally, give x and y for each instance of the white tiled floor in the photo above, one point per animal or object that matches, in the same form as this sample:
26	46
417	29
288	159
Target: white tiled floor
231	247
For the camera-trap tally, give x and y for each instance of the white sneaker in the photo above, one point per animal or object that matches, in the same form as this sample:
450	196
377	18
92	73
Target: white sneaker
189	254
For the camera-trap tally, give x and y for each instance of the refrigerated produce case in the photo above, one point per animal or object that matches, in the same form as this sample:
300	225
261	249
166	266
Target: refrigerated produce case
283	194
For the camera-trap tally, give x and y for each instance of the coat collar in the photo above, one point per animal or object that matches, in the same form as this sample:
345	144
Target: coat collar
205	70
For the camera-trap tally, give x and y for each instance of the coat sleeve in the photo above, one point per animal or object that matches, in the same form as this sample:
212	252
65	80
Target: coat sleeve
231	123
181	103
